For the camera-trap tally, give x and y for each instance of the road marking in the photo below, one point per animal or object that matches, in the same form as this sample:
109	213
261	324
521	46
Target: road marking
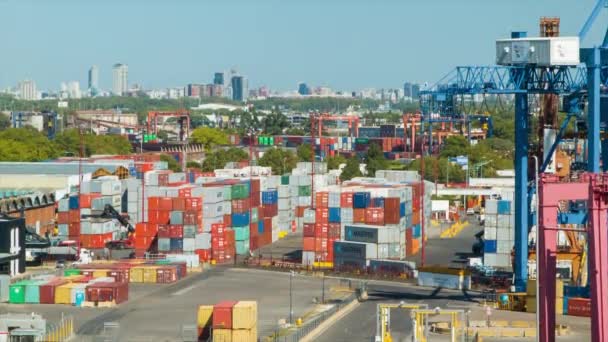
184	290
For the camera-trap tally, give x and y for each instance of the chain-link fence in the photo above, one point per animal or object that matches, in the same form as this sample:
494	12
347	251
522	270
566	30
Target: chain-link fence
63	331
309	326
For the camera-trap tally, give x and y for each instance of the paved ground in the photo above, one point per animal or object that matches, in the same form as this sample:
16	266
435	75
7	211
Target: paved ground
157	312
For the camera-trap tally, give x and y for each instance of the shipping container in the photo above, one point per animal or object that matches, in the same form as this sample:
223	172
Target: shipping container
107	292
222	315
244	315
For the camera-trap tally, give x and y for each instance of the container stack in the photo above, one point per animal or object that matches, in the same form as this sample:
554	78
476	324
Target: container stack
361	220
499	233
228	321
531	296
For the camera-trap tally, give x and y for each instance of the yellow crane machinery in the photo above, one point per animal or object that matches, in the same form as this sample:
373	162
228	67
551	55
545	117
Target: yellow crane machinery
383	318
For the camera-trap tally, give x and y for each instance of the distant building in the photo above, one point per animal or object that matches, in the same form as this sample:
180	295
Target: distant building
93	80
73	90
217	90
175	93
28	91
193	90
120	79
239	88
303	89
218	78
411	90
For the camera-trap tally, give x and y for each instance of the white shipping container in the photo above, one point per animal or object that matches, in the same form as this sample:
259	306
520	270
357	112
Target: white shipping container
303	201
541	51
333	199
503	221
285	204
504	246
214	209
490	220
346	215
283	191
491	207
308	258
504	234
211	194
208	221
172	192
189	245
177	177
490	233
203	241
309	216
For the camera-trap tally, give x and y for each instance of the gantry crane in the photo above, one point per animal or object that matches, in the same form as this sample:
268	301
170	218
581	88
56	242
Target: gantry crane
353	123
183	120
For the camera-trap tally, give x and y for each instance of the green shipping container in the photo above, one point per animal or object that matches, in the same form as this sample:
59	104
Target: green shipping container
260	140
70	272
304	190
32	291
271	141
361	141
242	247
239	191
163	262
227	193
17	293
241	233
285	180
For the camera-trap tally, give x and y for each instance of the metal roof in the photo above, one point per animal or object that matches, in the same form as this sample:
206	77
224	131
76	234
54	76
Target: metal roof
55	168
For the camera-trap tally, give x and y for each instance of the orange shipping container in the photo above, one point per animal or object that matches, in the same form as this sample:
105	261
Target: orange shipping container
322	199
321	215
308	243
85	199
359	215
300	211
391	210
160	203
374	216
63	218
74	215
346	200
179	204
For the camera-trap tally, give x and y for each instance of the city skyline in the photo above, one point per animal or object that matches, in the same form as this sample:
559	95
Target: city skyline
395	44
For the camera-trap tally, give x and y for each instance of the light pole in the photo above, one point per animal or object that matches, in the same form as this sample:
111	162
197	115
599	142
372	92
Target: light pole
323	290
291	274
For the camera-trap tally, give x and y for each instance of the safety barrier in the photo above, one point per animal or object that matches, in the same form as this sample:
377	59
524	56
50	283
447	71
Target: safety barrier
61	332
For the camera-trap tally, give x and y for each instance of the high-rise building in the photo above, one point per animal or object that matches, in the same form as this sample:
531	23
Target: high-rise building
218	90
93	79
27	90
411	90
218	78
303	89
239	88
120	79
193	90
73	90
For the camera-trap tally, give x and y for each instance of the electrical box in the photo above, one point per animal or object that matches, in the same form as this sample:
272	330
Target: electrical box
542	51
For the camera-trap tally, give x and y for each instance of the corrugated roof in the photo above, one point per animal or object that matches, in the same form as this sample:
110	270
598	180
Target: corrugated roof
54	168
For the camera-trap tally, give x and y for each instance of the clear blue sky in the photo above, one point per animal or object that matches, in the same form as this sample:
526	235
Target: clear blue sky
345	44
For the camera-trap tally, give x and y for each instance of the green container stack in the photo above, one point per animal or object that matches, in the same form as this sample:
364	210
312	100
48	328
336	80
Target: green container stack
71	272
285	180
239	191
32	291
17	292
227	193
362	141
304	190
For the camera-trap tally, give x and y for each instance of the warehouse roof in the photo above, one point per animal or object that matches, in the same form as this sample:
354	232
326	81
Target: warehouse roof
12	200
60	168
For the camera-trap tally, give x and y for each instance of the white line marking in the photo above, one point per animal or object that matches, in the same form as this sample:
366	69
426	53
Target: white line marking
184	290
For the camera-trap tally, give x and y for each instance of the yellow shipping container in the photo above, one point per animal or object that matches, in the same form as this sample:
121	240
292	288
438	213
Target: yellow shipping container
100	273
559	288
63	294
244	335
136	275
150	274
205	313
222	335
244	315
531	305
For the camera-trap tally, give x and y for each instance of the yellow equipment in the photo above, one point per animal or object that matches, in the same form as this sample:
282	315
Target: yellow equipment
383	318
420	322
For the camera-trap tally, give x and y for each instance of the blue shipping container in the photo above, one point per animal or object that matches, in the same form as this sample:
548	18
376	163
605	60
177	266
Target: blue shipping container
504	207
379	202
361	200
489	246
260	226
177	244
334	215
565	305
416	231
73	202
240	219
576	291
402	209
269	197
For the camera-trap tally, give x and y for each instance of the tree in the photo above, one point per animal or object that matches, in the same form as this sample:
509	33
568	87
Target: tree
375	160
5	121
69	142
281	161
455	145
171	162
274	123
304	152
333	163
26	144
351	170
193	165
209	137
218	159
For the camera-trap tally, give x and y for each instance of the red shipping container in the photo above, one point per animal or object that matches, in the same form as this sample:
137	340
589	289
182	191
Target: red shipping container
218	243
308	243
120	275
193	217
374	216
255	185
204	255
218	229
74	215
228	220
166	275
164	231
219	255
267	225
333	233
143	242
322	199
160	203
85	199
107	292
229	235
63	217
321	230
176	231
321	215
579	307
194	203
308	230
320	244
346	200
178	204
359	215
255	199
47	291
391	210
95	240
241	205
253	229
300	211
185	192
74	229
270	210
253	242
158	216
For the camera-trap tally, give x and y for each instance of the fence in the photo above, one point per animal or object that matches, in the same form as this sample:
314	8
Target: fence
308	327
61	332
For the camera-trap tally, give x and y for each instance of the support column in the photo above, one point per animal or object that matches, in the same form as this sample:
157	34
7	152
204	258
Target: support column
593	112
598	259
521	190
547	248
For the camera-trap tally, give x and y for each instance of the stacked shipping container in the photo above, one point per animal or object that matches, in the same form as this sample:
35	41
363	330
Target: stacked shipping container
499	233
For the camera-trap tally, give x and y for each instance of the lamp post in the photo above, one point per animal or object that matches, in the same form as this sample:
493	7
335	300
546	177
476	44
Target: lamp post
291	274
